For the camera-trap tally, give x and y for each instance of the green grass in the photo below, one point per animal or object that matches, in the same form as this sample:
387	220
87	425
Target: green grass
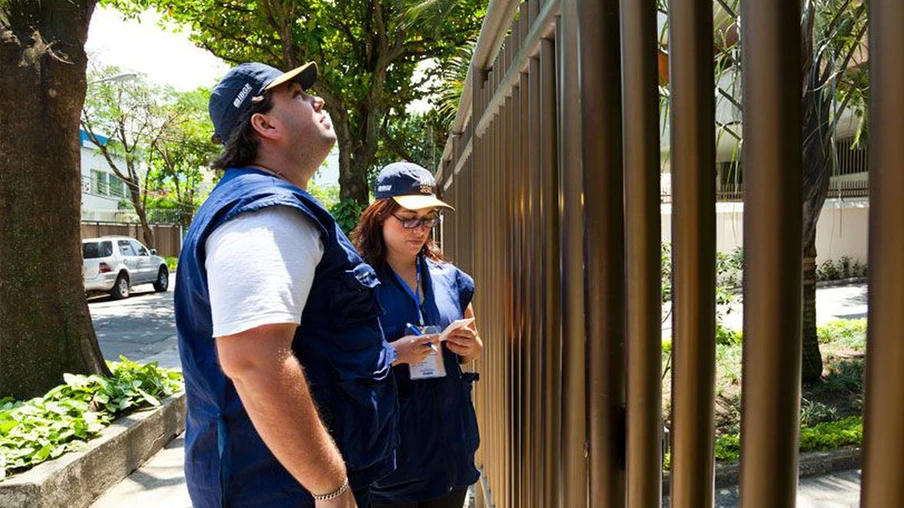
830	409
849	333
67	416
820	437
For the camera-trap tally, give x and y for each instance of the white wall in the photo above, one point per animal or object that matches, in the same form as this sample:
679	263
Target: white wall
93	160
841	230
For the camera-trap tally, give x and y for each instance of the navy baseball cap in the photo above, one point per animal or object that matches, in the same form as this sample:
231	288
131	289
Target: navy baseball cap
233	95
410	185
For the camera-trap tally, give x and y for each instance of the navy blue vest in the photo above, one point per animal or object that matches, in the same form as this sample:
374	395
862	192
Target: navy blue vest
339	343
437	423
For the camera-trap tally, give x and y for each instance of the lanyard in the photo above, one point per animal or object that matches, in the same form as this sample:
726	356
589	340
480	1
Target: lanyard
415	295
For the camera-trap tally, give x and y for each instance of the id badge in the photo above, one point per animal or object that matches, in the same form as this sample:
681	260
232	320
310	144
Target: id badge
432	366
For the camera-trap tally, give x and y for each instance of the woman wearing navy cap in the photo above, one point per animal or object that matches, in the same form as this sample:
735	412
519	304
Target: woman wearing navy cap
422	294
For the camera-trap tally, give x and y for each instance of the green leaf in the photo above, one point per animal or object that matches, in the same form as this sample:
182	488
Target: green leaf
42	454
46	427
148	397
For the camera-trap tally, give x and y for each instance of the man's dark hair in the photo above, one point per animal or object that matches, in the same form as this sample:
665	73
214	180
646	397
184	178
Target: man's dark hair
240	149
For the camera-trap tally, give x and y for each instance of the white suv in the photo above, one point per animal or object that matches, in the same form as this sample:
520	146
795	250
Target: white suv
114	264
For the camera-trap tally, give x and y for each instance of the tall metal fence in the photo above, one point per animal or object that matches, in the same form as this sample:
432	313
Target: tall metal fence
553	167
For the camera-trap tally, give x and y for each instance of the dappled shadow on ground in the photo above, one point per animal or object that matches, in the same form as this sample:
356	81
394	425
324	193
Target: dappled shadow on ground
858	299
138	327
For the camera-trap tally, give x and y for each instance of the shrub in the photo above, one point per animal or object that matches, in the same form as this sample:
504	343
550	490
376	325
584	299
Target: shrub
844	267
347	213
728	362
666	261
827	271
820	437
667	346
727	337
728	448
67	416
832	435
844	375
171	263
814	412
850	333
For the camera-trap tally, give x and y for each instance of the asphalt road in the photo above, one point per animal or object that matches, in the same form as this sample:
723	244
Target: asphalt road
141	327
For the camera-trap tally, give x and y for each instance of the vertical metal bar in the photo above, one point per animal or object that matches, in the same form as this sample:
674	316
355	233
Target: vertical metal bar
536	303
883	451
521	355
520	127
642	221
505	330
773	271
574	485
604	258
693	251
549	212
510	148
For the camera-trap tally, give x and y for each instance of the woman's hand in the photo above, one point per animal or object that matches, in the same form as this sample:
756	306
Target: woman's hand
466	343
412	349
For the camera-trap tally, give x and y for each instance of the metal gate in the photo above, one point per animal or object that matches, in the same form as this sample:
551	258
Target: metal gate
553	167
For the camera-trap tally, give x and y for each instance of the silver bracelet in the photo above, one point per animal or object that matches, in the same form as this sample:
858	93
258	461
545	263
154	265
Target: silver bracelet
334	494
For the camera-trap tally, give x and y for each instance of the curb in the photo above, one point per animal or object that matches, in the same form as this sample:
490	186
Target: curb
77	478
841	282
810	464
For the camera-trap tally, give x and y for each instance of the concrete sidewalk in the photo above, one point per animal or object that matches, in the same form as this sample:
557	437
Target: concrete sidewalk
837	490
160	484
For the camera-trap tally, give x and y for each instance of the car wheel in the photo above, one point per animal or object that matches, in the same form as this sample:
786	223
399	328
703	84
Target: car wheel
121	288
162	282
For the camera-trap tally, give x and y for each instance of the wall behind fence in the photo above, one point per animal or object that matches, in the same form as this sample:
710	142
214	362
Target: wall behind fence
842	229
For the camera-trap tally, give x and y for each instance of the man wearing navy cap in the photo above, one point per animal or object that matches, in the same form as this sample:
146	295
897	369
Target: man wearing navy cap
291	400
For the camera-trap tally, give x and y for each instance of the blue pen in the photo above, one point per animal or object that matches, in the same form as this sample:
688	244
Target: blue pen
414	331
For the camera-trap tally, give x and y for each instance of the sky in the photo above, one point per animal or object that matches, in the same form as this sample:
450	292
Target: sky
166	56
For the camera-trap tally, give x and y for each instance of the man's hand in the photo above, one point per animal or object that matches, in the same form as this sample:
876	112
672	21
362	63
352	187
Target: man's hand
346	500
413	349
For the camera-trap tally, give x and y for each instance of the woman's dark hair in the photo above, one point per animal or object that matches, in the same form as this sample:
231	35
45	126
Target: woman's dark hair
240	149
368	235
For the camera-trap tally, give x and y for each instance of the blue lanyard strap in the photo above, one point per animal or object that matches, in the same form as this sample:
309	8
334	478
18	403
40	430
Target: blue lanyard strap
415	295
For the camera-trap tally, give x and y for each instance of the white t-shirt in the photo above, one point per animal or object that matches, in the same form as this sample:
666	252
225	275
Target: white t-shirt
260	267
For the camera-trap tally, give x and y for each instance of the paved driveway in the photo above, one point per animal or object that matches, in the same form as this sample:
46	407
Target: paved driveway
141	327
843	302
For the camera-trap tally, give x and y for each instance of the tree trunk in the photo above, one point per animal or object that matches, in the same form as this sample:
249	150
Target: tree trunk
352	170
817	172
146	232
45	326
811	367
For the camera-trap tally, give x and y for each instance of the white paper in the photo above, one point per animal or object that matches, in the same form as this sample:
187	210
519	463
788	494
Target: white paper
454	325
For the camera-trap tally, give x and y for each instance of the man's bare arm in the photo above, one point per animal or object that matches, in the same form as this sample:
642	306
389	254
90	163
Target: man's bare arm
274	391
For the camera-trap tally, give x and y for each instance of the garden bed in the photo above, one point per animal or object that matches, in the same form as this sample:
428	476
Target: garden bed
68	447
831	409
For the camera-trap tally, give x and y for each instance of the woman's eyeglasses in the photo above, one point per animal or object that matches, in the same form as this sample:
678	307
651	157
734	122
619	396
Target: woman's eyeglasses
427	222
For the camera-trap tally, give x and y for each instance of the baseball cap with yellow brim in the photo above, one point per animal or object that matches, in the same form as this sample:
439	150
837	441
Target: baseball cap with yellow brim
234	94
409	185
